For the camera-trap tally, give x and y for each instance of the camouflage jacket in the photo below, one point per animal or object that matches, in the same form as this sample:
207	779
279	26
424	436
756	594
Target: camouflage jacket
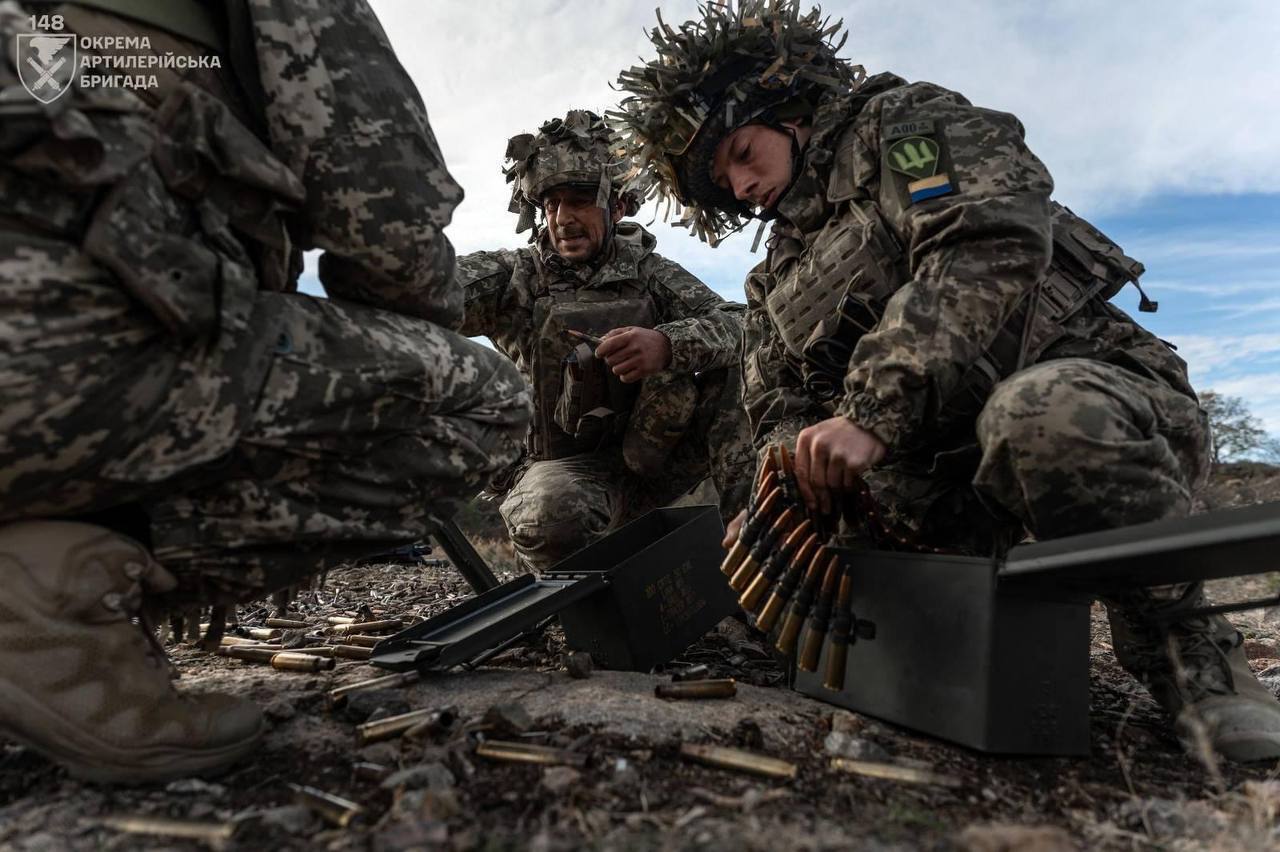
501	286
343	114
958	260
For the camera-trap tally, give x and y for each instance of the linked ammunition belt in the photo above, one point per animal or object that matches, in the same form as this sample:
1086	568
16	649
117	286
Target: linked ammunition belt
790	576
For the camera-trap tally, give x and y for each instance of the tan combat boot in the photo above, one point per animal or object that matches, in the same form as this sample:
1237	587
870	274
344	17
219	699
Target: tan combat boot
85	685
1205	685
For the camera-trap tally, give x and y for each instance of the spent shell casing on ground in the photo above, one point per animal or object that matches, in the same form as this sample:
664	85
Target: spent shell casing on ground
699	672
841	625
291	661
366	771
819	624
510	752
394	726
262	634
313	650
334	809
725	687
287	623
250	653
785	589
215	834
391	681
736	759
236	640
340	619
367	626
362	640
351	652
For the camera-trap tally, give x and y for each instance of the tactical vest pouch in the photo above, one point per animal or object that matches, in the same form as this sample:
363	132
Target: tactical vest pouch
584	409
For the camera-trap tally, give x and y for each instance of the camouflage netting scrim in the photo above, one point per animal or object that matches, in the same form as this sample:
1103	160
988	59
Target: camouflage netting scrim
757	60
578	149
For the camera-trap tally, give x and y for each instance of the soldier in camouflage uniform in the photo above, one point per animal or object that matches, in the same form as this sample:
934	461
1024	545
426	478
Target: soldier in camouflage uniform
928	320
160	373
639	419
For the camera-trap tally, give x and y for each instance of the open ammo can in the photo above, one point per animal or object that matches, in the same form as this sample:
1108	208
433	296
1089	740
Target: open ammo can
995	655
634	599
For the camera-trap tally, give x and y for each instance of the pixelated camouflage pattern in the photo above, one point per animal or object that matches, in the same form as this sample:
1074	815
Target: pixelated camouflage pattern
343	115
144	362
506	295
578	150
559	506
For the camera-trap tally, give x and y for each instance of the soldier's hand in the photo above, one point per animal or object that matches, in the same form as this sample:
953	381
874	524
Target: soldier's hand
734	530
633	352
830	456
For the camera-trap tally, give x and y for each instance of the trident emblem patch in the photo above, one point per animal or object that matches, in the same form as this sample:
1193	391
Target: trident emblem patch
46	64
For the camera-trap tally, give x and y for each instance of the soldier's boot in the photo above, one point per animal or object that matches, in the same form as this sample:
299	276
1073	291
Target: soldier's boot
84	684
1196	670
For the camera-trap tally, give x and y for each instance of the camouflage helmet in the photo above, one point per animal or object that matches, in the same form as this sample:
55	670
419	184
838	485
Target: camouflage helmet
578	149
756	61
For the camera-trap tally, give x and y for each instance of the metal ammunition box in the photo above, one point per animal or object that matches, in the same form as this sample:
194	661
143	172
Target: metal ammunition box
634	599
995	655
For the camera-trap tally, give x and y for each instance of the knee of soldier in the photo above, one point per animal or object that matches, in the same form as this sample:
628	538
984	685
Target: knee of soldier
543	517
1056	407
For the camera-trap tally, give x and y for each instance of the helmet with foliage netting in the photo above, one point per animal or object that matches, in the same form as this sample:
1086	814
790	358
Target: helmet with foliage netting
578	150
756	61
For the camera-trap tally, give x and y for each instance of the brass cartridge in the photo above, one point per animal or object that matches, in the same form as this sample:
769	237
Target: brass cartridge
736	759
510	752
394	726
783	591
367	627
287	623
819	624
725	687
773	567
333	809
290	661
337	696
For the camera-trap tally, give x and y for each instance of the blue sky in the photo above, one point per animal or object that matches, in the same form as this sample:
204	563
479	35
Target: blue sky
1160	122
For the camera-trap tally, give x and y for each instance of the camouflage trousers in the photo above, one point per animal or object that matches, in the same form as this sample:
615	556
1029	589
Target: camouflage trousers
1064	447
558	506
317	432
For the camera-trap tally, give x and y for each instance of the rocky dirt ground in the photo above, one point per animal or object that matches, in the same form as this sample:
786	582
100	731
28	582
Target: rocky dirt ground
625	784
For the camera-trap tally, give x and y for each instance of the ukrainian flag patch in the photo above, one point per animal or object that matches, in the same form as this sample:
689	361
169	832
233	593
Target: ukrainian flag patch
930	187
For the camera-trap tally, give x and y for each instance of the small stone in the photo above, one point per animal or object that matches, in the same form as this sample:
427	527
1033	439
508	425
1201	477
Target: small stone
361	707
844	722
558	779
431	776
998	837
290	819
387	753
578	664
854	748
195	787
508	719
747	733
279	710
1256	649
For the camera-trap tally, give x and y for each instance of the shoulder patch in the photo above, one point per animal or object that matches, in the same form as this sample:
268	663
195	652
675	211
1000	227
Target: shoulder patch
914	156
899	129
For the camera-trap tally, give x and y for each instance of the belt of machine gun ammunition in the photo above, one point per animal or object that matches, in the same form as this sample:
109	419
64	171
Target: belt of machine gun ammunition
787	572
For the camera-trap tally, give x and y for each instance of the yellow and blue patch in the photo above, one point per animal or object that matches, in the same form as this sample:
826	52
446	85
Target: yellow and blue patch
930	187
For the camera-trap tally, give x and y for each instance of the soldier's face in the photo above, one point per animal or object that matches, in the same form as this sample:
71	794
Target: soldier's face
754	163
576	225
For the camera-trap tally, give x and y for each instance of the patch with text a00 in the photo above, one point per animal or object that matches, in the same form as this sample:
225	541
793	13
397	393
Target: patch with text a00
930	187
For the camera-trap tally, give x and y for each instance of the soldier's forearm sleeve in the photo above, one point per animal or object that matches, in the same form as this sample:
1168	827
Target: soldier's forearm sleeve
776	403
348	120
705	331
973	254
491	310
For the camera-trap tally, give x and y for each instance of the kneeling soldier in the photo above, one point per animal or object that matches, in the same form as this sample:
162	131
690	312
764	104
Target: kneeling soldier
929	320
633	361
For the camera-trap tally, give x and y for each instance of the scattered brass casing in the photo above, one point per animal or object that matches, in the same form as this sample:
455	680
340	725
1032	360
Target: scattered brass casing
741	761
287	623
337	696
529	753
367	627
773	569
333	809
697	689
394	726
784	590
290	661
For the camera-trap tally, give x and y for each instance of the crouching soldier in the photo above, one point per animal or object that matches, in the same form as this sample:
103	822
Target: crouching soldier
929	321
632	360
